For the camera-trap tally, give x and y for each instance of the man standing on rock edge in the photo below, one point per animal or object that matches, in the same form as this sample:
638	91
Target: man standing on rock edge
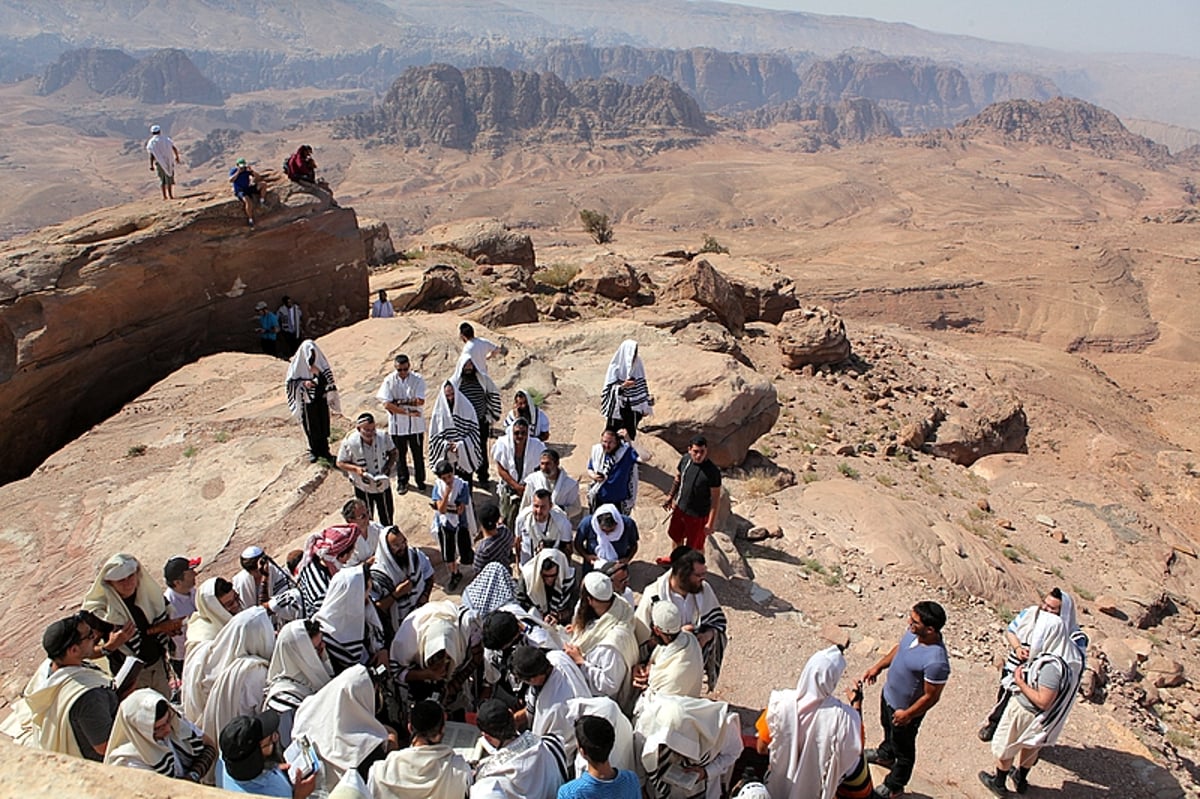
694	499
164	155
403	396
918	668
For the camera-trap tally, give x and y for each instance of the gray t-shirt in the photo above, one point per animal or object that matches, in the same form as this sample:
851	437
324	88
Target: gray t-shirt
92	716
1048	674
914	665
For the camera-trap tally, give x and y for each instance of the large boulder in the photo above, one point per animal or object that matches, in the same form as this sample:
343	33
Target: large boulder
377	241
994	423
489	241
814	336
700	283
518	309
607	276
765	301
440	284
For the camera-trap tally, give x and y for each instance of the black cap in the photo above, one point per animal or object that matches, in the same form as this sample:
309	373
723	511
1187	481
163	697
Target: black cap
60	636
241	744
500	628
495	719
176	566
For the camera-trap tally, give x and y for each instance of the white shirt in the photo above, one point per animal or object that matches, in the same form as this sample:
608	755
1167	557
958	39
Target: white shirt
364	548
479	349
395	388
372	457
182	606
564	493
532	532
382	309
289	318
163	149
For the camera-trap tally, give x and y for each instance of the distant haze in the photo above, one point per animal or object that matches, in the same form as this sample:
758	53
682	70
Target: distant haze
1111	26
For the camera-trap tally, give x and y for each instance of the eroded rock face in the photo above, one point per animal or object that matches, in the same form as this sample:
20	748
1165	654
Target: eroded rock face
518	309
377	241
994	424
439	284
93	311
700	283
812	336
607	276
491	240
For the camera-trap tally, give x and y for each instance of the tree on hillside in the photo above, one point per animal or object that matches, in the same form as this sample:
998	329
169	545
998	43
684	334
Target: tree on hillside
597	225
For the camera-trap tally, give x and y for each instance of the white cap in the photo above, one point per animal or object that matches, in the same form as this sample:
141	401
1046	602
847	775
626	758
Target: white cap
666	617
599	586
155	129
252	552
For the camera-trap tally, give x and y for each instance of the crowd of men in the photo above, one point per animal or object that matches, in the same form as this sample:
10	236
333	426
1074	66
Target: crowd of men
335	672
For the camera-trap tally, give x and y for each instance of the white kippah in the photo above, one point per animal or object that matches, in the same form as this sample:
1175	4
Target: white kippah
599	586
666	617
252	552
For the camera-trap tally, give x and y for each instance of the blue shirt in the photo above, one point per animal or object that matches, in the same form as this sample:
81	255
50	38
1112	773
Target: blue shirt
585	536
269	783
242	181
624	786
269	324
914	665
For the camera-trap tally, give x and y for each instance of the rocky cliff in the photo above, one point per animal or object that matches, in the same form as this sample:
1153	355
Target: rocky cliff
847	121
1064	123
97	69
490	106
167	76
95	310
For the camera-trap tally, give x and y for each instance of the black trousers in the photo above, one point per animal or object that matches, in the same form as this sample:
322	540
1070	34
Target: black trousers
269	347
316	427
899	744
378	505
291	343
413	443
455	543
628	418
485	430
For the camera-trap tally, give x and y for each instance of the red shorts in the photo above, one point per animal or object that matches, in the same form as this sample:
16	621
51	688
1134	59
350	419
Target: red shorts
687	529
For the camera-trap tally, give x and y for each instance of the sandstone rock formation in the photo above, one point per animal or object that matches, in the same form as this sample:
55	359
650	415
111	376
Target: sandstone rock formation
853	120
377	241
812	336
433	290
167	76
95	310
96	69
518	309
997	424
491	106
608	276
764	300
489	239
700	283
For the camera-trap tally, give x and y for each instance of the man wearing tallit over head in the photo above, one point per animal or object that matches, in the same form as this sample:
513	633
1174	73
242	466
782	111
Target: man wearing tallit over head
126	598
676	664
428	769
813	739
237	667
604	645
688	746
484	397
401	580
1046	686
149	734
428	648
312	395
350	626
299	668
548	587
339	720
216	602
626	398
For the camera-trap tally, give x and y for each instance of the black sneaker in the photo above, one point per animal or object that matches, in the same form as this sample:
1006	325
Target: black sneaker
884	792
989	781
1020	778
402	489
874	757
455	581
987	732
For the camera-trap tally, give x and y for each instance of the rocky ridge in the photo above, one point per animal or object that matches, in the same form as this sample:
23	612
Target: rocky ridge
165	76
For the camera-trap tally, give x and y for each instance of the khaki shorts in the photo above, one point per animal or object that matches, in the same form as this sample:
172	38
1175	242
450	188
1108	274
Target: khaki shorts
1013	724
163	177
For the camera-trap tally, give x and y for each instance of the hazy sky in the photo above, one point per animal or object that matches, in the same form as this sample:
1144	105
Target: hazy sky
1148	26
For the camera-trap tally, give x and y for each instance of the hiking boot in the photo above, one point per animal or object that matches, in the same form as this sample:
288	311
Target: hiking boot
987	732
884	792
874	757
1020	778
402	489
995	782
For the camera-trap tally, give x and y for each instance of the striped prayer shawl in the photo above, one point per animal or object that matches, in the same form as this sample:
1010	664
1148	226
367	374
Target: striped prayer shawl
486	405
314	584
300	395
616	397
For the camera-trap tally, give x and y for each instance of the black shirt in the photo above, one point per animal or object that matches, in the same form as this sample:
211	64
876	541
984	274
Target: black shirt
696	484
91	717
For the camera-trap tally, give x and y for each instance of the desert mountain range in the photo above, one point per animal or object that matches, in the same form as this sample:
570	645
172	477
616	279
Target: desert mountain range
1012	275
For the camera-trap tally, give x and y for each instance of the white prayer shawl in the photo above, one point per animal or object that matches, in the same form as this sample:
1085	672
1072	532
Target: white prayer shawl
700	732
613	631
209	617
454	431
504	453
387	573
564	492
248	633
104	601
550	705
346	619
421	772
539	423
132	741
706	612
623	756
535	535
163	149
41	717
429	629
237	691
299	371
528	767
1051	641
816	739
625	365
492	394
605	541
296	671
340	721
676	668
535	589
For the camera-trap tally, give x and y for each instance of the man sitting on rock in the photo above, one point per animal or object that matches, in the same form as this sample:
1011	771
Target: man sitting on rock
245	187
301	168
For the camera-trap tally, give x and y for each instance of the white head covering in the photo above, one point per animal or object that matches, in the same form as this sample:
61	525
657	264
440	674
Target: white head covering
454	424
299	371
666	617
625	365
132	741
531	573
343	613
537	419
249	633
340	720
296	668
599	586
238	668
605	541
485	380
210	615
103	600
686	725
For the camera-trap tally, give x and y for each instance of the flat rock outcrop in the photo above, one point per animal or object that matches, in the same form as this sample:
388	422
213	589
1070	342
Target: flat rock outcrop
486	242
93	311
812	336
